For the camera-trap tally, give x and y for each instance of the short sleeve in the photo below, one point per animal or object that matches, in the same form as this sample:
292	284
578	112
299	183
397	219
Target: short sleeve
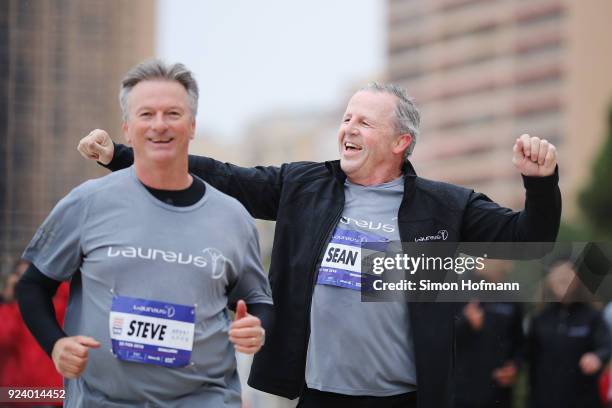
251	284
55	249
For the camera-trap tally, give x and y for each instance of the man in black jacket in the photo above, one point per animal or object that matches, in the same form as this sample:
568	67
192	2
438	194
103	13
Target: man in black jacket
328	347
490	347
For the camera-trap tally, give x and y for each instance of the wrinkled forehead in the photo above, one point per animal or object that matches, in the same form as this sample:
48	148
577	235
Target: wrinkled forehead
158	92
373	105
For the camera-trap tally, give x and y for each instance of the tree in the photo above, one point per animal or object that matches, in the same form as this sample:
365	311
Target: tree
596	199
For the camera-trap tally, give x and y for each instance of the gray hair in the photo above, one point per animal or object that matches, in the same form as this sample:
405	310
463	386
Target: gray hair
157	69
407	115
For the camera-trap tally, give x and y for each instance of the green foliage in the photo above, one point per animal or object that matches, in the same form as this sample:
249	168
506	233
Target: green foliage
596	199
574	233
521	389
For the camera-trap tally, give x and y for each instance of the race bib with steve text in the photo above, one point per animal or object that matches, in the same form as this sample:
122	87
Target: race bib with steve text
151	332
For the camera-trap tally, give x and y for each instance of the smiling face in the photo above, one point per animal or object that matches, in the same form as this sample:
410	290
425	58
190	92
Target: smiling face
371	151
159	123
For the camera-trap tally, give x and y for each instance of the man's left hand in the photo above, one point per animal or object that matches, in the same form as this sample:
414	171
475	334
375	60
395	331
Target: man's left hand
246	332
534	156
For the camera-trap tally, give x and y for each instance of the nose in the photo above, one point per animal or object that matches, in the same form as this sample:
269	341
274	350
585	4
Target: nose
351	128
159	123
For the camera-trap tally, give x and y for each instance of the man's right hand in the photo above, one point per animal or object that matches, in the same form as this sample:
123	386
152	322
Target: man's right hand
97	145
70	355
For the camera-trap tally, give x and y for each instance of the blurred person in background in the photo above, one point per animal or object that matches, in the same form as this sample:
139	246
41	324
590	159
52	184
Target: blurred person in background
568	344
23	363
7	294
490	343
327	347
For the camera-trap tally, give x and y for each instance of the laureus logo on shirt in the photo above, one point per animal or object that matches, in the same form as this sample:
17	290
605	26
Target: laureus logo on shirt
371	225
441	235
211	257
219	262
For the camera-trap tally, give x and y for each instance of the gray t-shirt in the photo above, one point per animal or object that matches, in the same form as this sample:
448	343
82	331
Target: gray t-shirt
175	261
359	348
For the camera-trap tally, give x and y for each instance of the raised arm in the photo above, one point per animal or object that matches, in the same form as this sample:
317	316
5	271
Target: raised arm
257	188
539	221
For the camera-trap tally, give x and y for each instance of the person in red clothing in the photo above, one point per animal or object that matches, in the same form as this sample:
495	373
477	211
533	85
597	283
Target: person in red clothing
23	362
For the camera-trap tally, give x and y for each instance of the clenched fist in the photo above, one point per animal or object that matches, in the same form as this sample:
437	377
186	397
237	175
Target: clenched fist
70	355
534	156
97	145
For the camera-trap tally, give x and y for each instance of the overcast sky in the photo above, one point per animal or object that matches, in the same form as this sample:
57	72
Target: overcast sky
255	57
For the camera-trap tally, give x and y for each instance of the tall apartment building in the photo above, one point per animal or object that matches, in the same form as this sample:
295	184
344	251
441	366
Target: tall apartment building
60	66
485	71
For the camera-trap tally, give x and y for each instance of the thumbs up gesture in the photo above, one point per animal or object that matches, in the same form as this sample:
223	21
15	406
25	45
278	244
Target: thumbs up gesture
534	157
246	332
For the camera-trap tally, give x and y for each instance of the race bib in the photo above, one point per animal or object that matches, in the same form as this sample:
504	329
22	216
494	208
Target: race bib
151	332
341	264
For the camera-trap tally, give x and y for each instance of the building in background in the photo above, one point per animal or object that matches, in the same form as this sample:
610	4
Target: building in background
285	137
485	71
60	66
274	139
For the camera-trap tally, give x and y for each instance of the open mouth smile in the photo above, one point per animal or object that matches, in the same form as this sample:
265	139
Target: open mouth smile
352	147
160	140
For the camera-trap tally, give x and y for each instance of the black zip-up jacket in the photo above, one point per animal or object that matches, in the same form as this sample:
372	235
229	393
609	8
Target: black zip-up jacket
558	337
306	199
500	340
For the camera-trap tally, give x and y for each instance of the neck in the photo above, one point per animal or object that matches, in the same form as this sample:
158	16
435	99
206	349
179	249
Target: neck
171	176
373	179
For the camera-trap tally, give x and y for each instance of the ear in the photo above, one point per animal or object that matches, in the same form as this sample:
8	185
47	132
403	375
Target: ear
193	128
402	142
126	134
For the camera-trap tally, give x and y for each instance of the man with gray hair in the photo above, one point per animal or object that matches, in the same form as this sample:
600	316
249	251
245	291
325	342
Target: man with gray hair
326	346
151	276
